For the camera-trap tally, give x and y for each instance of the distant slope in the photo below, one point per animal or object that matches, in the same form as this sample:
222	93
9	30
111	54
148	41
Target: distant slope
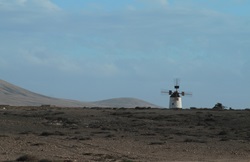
16	96
125	102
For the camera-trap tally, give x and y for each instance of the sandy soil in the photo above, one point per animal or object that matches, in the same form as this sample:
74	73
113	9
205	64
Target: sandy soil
123	135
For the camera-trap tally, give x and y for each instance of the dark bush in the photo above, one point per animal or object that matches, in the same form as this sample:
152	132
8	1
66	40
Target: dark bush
46	134
218	106
27	158
222	133
194	140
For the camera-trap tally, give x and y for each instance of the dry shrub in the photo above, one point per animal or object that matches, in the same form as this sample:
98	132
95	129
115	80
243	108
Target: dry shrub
194	140
223	132
27	158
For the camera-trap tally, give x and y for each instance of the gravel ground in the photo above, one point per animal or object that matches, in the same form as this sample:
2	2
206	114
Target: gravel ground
46	134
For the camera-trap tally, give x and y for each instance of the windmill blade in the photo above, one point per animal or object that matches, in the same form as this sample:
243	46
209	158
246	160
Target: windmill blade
167	92
186	93
177	83
164	91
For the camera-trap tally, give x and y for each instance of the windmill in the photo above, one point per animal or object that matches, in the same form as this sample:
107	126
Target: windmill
175	96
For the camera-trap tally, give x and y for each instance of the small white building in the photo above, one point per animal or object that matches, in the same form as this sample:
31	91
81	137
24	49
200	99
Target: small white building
175	101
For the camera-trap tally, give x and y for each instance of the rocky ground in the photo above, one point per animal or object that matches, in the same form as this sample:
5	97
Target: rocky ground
46	134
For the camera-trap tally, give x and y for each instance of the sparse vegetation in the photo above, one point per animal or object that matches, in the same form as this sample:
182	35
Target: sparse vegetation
104	131
52	133
156	143
27	158
218	106
223	133
194	140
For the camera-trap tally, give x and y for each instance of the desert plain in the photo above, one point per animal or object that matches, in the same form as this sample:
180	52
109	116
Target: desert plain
59	134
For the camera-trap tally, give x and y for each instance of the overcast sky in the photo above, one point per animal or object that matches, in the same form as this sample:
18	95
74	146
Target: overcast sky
92	50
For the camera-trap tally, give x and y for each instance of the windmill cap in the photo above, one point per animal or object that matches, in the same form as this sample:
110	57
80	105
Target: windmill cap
175	94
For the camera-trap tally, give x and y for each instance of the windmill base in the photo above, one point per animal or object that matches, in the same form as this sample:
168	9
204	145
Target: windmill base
175	103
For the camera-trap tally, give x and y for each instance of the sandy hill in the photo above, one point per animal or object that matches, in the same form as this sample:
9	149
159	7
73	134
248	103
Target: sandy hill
125	102
16	96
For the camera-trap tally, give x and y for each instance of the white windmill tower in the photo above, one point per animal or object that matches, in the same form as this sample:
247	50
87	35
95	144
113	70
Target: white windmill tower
175	96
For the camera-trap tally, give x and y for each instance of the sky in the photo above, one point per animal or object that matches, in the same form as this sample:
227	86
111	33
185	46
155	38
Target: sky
91	50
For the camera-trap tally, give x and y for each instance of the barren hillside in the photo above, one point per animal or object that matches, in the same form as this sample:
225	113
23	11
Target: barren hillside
16	96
